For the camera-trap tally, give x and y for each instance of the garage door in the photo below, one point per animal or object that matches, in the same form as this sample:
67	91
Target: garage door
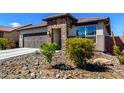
34	40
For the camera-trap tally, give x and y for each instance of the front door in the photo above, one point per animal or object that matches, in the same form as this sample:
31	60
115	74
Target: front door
56	37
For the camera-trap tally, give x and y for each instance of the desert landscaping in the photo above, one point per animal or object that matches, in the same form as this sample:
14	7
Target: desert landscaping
33	66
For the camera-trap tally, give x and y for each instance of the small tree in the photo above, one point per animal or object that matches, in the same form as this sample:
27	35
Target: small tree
48	50
79	49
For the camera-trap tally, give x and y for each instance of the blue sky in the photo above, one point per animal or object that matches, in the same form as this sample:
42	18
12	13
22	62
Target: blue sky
15	19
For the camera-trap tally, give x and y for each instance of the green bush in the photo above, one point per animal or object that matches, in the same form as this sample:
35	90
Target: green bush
122	52
121	59
48	50
79	50
3	43
116	50
119	54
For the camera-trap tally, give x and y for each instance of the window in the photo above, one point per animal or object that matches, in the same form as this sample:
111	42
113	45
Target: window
91	30
80	31
86	30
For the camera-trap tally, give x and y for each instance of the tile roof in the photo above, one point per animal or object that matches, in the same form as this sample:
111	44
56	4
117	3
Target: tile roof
9	29
93	19
22	26
60	15
4	28
79	20
43	24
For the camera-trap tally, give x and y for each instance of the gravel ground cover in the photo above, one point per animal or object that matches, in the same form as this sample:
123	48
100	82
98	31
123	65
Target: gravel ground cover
31	66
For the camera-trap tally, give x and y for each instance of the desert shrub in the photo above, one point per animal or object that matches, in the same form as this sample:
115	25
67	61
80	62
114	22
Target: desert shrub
119	54
10	44
122	52
48	50
116	50
79	50
6	44
121	59
3	43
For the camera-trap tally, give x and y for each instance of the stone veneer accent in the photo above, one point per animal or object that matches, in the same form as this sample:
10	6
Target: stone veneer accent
63	28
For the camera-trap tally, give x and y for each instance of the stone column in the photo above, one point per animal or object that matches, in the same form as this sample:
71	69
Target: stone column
63	37
63	28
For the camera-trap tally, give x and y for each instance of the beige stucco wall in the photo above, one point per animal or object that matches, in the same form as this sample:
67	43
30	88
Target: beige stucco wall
11	36
100	37
101	30
29	31
35	30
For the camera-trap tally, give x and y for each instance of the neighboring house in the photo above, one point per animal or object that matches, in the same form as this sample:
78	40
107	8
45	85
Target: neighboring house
9	33
62	26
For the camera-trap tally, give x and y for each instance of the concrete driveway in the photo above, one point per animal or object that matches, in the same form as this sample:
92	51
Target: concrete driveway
16	52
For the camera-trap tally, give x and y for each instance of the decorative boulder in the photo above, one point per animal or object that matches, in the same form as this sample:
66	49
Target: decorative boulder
102	62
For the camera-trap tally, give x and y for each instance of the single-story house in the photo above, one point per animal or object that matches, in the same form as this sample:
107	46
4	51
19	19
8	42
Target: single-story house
59	27
10	33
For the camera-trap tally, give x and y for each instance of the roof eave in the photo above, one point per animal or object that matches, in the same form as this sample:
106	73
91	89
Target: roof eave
30	28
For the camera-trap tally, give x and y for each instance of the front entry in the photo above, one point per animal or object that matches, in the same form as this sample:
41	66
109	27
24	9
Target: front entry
56	37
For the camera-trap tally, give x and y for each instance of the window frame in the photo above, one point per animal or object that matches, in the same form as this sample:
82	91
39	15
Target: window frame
85	26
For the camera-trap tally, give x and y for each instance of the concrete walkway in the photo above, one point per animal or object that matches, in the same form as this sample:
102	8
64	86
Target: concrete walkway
16	52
